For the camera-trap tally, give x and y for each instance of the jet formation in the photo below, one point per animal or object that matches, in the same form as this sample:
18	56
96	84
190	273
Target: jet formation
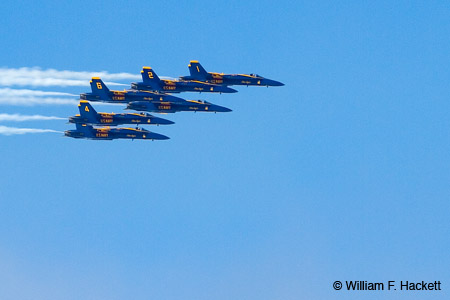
154	95
198	73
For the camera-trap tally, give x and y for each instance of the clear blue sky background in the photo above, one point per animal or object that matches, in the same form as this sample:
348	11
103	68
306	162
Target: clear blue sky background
342	174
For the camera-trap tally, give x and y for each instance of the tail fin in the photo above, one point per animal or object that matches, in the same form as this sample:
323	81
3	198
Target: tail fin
197	71
150	78
88	112
99	88
84	128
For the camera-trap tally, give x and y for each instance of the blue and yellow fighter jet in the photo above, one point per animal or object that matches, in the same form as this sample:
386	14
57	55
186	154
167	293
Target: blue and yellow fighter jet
85	131
199	73
101	93
176	106
151	82
88	115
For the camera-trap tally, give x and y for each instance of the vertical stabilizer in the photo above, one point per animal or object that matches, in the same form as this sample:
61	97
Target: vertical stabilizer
99	88
87	130
88	112
197	71
150	78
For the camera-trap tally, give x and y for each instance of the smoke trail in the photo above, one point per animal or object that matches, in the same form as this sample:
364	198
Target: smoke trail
52	77
22	92
34	97
22	118
14	130
30	101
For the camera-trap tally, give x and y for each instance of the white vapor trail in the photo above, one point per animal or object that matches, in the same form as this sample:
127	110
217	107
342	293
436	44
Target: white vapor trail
31	100
10	96
24	92
22	118
14	130
51	77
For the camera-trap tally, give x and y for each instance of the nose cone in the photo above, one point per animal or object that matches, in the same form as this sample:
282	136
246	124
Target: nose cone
161	121
271	82
228	90
218	108
155	136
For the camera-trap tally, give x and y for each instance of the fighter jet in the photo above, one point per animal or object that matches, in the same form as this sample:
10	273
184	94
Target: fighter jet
176	106
100	92
200	74
151	82
88	115
85	131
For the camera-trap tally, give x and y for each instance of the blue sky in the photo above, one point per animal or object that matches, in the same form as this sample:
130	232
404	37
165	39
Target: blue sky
342	174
